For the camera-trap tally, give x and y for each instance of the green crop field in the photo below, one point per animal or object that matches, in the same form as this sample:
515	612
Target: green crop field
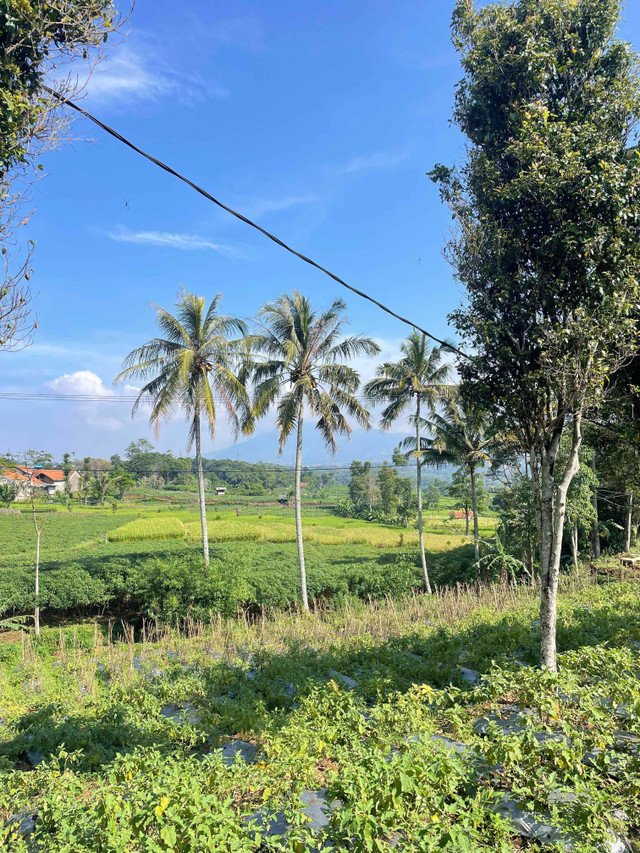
221	741
146	561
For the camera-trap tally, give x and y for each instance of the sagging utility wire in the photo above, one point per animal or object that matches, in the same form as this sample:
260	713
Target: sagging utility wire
112	132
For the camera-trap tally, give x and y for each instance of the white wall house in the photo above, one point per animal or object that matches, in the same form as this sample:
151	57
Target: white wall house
50	480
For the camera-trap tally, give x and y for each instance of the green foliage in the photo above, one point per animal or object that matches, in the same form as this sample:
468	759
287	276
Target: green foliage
496	564
193	360
92	560
517	516
32	36
119	776
7	494
460	490
305	350
547	207
432	496
181	587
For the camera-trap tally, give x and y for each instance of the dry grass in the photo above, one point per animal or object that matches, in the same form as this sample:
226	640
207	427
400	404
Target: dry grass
276	631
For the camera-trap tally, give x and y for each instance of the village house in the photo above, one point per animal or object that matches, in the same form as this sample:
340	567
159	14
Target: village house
49	480
18	482
52	478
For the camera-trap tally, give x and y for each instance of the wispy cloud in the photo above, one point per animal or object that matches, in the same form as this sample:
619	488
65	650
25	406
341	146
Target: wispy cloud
168	239
260	206
245	32
127	75
377	160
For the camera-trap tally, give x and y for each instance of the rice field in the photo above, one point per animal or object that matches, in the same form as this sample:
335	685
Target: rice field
143	529
328	530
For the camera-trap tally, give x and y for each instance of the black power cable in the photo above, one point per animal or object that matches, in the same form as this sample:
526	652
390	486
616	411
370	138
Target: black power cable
248	221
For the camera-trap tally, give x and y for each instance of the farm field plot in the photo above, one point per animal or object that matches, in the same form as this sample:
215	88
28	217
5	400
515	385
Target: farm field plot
329	530
62	533
357	727
149	562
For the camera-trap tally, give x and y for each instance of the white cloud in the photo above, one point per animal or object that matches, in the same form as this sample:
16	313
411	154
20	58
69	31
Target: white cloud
127	75
88	383
84	382
377	160
185	242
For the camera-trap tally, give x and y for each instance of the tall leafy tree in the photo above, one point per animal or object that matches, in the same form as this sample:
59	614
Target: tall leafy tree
298	363
461	436
388	485
416	382
191	367
459	489
358	482
67	468
548	225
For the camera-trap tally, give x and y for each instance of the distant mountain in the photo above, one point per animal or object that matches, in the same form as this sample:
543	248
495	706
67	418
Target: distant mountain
374	446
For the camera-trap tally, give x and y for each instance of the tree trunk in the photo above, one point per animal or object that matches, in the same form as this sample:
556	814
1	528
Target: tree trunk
536	488
201	495
595	533
425	572
552	500
466	519
627	540
36	615
474	510
303	571
574	544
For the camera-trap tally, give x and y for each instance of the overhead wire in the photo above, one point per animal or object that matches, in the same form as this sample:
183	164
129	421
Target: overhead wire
94	398
116	135
275	469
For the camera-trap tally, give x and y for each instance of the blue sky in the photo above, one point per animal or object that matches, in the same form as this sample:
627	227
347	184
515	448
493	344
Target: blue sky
319	120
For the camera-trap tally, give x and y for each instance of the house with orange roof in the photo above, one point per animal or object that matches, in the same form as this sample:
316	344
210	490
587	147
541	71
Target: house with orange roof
51	479
23	480
19	482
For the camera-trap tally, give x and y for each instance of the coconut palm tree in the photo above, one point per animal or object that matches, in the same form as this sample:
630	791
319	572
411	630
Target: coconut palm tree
297	363
461	436
191	367
418	381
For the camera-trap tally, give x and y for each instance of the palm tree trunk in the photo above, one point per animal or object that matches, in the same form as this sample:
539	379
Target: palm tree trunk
474	510
298	501
201	496
425	572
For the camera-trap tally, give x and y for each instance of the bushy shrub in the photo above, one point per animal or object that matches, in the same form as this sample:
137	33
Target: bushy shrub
181	587
372	580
